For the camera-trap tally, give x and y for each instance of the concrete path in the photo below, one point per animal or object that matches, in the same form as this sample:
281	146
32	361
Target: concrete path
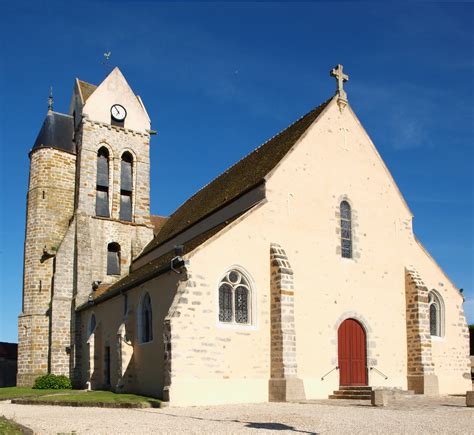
411	415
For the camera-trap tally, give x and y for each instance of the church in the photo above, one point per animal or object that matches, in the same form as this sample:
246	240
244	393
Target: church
292	275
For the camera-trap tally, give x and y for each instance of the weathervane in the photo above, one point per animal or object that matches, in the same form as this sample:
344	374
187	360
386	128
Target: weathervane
107	55
50	99
338	74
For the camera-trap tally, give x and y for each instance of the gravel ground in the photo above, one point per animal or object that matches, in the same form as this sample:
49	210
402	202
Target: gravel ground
412	415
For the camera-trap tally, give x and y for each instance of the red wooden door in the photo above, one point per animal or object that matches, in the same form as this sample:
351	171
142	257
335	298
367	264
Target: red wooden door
352	353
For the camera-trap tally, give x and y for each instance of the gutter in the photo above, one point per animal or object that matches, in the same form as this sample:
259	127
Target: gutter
174	265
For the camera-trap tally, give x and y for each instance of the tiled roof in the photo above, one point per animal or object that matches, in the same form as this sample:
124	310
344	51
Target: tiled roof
158	222
87	89
235	181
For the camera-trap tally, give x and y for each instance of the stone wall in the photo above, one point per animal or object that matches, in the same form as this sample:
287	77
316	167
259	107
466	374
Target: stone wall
62	309
50	205
284	384
420	367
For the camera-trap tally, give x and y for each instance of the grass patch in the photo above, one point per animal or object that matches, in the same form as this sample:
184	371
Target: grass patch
7	393
9	427
76	396
95	396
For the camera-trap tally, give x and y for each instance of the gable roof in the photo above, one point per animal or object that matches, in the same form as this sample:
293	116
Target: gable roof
235	181
56	132
87	89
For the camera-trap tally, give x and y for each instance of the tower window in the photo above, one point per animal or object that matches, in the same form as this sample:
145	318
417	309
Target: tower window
113	259
102	184
126	187
346	230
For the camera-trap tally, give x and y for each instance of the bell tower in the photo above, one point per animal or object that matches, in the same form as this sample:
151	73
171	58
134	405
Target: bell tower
113	184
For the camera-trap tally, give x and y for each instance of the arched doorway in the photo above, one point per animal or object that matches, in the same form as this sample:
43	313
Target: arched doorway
352	353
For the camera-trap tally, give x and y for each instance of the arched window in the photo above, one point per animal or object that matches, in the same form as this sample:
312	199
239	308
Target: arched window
126	184
92	325
346	230
436	314
145	320
235	298
113	259
102	183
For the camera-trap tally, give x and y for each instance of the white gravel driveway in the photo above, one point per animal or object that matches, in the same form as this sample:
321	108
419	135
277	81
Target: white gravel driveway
414	415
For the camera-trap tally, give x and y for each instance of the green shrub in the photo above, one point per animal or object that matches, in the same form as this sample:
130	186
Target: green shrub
52	382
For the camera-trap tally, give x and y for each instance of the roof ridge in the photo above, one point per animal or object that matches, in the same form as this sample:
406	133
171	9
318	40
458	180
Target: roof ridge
249	153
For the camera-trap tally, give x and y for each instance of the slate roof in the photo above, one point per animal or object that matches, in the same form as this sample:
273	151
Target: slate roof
235	181
57	132
87	89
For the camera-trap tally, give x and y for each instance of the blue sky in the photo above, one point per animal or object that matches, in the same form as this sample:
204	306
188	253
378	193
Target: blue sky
218	79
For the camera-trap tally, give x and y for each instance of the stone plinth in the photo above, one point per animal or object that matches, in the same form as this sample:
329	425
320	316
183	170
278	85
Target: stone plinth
470	399
286	390
379	398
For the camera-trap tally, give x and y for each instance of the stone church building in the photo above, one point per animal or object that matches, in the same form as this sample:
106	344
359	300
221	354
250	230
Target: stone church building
294	273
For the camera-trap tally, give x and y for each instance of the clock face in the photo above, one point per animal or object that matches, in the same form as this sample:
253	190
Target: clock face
118	112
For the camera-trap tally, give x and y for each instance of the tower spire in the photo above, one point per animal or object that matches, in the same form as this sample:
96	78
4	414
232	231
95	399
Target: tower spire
50	99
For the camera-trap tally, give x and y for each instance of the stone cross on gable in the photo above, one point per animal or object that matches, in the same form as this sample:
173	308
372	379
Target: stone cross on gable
341	78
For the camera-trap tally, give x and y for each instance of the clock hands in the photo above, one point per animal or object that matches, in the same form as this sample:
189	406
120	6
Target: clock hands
118	112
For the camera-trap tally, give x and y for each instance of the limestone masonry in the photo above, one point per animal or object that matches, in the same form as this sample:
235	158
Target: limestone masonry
292	274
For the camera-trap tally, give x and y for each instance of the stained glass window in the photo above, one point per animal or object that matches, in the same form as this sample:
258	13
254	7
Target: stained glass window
234	298
436	314
346	230
225	303
146	320
241	304
433	320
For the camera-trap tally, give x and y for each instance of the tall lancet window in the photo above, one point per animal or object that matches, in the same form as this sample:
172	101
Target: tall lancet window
113	259
102	183
436	314
235	298
346	230
126	186
145	320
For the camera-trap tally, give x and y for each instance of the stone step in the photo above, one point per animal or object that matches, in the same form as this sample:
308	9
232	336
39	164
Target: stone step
351	393
350	396
350	387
